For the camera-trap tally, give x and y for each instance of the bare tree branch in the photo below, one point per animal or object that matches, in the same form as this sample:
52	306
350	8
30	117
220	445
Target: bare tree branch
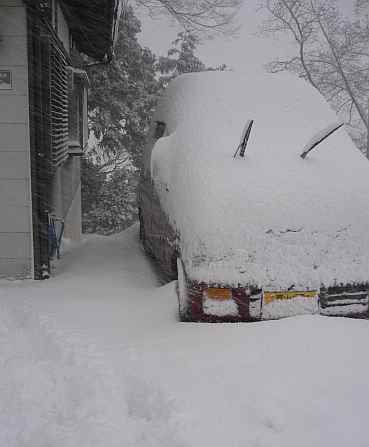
339	66
205	17
332	53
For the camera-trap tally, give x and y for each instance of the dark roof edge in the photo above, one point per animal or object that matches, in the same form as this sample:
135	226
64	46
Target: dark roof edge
94	25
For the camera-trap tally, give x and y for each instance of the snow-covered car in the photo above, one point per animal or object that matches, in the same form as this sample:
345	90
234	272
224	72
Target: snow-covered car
255	198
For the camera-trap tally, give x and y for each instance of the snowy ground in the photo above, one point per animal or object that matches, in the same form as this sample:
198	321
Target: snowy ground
95	357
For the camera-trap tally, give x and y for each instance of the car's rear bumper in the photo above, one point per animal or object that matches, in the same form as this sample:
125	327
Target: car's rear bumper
245	304
253	304
345	300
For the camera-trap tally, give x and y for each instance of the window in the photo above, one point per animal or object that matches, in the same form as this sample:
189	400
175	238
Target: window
78	131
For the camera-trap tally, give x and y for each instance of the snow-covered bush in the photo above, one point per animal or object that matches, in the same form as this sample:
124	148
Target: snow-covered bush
109	201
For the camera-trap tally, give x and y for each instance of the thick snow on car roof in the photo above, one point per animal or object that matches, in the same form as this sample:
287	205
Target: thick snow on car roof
271	218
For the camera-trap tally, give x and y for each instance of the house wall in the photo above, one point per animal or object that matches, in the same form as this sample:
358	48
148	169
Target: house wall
73	219
16	255
66	187
66	197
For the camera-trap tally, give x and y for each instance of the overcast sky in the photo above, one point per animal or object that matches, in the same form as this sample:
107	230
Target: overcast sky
246	50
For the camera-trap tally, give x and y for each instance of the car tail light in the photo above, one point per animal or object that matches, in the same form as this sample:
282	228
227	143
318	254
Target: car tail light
288	295
215	293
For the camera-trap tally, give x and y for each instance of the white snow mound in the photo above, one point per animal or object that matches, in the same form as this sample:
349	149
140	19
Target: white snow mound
270	219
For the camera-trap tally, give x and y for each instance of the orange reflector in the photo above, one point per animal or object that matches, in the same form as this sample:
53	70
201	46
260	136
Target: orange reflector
215	293
288	295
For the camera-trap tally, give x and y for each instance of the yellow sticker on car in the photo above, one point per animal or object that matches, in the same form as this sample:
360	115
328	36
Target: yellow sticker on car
215	293
288	295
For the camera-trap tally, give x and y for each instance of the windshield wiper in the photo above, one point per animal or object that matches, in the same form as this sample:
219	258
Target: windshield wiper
244	139
321	136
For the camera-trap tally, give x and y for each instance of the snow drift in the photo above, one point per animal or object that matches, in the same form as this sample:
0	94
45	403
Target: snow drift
95	357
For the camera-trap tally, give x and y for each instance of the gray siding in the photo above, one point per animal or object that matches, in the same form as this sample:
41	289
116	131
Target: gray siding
66	197
15	197
66	184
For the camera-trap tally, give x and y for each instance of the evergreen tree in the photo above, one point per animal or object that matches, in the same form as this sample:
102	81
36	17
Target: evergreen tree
92	181
181	58
122	96
122	99
115	207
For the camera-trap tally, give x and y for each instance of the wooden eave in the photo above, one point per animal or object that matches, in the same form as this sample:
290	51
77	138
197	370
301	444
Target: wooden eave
92	24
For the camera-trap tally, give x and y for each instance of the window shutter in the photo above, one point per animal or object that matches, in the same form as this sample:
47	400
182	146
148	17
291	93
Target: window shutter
77	111
73	108
59	106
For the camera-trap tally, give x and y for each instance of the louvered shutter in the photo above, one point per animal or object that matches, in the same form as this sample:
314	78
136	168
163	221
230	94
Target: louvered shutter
59	106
